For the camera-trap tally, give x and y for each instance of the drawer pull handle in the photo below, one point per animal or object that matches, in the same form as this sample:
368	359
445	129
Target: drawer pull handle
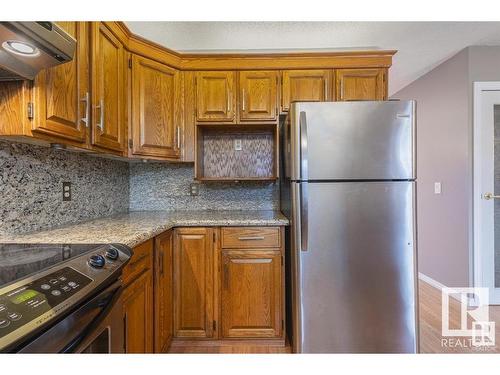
251	238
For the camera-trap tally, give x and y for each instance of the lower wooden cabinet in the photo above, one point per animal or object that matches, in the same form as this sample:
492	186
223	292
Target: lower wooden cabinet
251	303
137	314
194	283
163	290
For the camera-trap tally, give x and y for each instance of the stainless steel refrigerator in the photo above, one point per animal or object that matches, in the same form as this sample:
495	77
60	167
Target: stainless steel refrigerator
349	192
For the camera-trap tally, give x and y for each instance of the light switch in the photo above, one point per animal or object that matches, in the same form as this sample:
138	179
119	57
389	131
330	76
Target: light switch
437	187
237	145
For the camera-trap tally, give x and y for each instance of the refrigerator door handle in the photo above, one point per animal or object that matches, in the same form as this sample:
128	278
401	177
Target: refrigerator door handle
304	224
303	145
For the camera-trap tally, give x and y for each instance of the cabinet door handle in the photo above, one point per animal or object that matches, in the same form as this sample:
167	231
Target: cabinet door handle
125	333
85	100
161	263
100	125
226	276
326	90
342	89
243	100
228	102
251	238
178	137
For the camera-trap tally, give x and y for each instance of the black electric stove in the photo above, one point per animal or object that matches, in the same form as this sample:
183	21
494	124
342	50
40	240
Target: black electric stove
41	284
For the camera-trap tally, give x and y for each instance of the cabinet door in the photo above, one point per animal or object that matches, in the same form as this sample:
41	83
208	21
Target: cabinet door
360	84
156	100
215	97
193	283
258	96
163	289
305	85
138	314
251	293
61	93
108	89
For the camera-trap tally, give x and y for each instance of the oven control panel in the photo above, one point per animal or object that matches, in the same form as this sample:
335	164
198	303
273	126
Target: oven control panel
38	301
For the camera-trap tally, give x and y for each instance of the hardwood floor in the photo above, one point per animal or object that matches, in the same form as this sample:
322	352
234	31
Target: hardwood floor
431	340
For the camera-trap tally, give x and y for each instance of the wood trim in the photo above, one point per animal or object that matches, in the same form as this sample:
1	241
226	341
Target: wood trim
254	61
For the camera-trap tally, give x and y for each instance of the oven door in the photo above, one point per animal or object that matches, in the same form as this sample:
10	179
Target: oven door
95	327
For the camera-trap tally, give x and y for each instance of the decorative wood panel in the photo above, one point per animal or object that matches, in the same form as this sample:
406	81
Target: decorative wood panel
193	283
251	294
256	159
156	122
258	95
108	78
305	85
361	84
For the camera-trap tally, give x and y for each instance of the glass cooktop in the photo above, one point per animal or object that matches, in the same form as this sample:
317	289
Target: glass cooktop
20	260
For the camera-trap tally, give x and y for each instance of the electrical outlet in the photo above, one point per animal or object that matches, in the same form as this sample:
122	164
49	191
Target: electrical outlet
194	189
237	145
437	187
66	191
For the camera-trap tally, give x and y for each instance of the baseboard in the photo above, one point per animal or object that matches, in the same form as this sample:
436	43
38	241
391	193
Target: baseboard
436	284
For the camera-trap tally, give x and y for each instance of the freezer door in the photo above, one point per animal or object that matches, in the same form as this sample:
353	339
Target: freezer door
352	140
354	282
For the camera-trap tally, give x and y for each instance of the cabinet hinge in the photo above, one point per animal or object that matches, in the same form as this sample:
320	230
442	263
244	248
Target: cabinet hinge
31	111
282	324
130	63
214	325
130	143
213	236
282	260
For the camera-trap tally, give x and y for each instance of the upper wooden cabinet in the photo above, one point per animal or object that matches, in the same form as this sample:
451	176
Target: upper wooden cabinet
215	99
305	85
108	89
360	84
258	95
194	283
156	109
61	93
163	292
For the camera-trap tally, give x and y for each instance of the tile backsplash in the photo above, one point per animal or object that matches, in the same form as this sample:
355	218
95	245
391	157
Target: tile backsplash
31	180
160	186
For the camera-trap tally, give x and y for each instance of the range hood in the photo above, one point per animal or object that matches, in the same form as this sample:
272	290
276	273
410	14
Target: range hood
28	47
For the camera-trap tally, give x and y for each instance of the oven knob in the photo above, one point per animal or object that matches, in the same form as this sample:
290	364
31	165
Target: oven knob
112	253
97	261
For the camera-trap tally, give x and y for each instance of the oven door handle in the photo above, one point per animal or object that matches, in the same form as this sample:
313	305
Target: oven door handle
102	303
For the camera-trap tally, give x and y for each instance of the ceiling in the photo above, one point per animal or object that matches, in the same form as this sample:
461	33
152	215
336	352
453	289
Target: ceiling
421	45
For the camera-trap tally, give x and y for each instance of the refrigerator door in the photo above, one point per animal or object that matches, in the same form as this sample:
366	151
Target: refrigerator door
354	288
351	141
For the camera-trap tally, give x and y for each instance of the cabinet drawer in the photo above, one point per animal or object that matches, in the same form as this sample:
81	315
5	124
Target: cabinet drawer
250	237
141	261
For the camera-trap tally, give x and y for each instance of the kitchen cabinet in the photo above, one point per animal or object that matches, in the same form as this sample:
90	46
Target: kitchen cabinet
215	98
137	299
156	109
61	93
137	314
108	89
194	283
251	303
163	292
360	84
258	96
305	85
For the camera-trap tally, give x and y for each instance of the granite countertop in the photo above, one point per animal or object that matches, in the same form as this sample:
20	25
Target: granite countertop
135	227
